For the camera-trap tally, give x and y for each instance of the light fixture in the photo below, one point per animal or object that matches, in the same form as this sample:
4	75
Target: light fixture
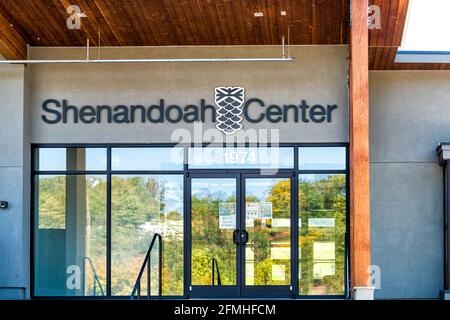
283	13
258	14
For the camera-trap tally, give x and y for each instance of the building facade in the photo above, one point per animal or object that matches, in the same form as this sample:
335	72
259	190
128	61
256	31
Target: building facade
87	187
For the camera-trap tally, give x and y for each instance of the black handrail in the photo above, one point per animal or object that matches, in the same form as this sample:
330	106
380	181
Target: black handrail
146	263
215	267
96	277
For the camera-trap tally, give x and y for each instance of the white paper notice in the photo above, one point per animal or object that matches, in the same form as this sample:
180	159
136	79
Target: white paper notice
265	210
281	223
227	215
321	222
280	253
323	269
278	272
251	213
324	250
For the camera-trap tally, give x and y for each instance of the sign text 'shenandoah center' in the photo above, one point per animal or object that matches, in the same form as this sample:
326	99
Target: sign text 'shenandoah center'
255	110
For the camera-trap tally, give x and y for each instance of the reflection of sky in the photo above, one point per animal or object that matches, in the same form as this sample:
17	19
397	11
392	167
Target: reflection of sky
241	157
310	158
55	159
147	158
321	158
225	188
52	159
220	188
260	188
89	177
315	177
173	191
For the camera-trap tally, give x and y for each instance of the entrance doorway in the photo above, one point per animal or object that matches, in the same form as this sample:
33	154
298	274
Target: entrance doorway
268	221
241	235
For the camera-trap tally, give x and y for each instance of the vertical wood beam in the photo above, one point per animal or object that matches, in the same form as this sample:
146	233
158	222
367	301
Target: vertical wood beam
359	146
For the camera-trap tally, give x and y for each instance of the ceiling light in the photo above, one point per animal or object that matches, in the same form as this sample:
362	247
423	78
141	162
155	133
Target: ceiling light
283	13
258	14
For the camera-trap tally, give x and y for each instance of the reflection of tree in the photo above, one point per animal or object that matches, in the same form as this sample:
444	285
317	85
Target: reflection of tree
265	238
138	211
136	200
52	215
52	206
209	241
322	197
142	205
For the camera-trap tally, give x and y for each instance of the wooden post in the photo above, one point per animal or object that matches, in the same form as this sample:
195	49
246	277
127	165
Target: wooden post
359	149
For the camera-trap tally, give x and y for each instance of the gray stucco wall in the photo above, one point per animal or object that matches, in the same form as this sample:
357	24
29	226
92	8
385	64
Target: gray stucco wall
318	75
14	183
409	116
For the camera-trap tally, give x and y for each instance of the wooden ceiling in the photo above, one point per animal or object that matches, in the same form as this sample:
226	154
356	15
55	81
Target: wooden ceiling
179	22
198	22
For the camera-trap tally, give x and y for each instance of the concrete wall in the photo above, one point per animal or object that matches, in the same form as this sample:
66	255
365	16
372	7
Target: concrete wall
14	183
409	116
318	75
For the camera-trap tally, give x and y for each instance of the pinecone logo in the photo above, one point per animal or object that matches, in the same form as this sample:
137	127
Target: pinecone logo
229	100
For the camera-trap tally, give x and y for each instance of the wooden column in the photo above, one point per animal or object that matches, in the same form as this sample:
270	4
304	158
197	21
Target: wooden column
359	147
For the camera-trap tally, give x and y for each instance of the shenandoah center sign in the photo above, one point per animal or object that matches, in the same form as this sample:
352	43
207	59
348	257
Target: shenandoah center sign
231	109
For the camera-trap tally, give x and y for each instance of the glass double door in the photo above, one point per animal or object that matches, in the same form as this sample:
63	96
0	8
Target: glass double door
240	236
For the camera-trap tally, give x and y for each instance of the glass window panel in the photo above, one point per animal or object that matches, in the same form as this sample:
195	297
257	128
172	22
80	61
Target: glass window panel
143	205
214	215
241	158
70	235
51	159
322	158
77	159
268	222
322	208
134	159
95	159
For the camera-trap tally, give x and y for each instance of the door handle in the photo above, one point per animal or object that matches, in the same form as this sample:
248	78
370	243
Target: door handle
235	236
244	237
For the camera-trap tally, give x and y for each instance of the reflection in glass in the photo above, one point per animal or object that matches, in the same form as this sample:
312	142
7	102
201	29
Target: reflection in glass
241	158
77	159
268	222
322	158
70	235
143	205
322	209
135	159
213	222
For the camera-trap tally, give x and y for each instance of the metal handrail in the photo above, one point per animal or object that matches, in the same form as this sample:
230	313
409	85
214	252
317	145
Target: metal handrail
215	267
146	263
96	277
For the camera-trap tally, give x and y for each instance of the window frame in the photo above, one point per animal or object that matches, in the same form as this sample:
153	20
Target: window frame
185	172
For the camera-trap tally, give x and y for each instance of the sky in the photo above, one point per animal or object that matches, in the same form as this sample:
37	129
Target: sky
428	26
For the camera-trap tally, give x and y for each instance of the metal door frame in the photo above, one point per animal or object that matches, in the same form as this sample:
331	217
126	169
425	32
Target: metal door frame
272	291
241	290
210	291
